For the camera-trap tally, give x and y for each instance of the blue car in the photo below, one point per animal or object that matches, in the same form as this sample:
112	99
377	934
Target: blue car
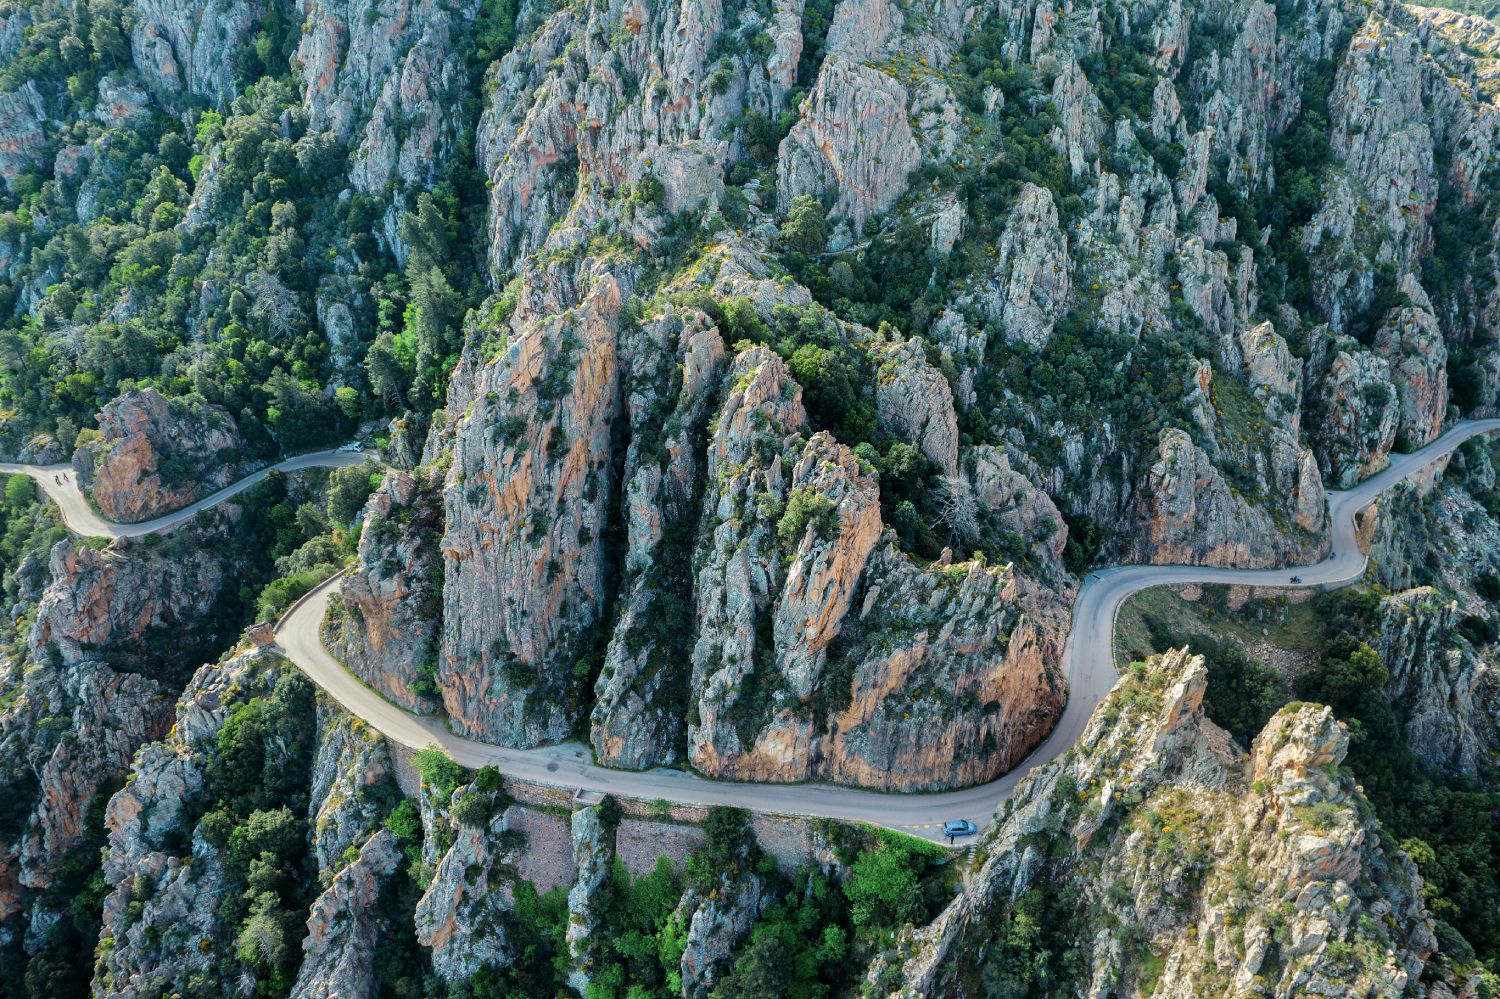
959	827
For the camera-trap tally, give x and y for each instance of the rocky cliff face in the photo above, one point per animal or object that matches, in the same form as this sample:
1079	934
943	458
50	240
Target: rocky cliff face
155	455
195	49
1184	867
384	624
1193	514
173	878
65	738
168	930
637	718
1449	690
1433	546
852	109
124	598
526	502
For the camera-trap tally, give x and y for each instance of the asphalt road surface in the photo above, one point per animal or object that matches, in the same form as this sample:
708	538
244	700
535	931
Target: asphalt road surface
60	483
1089	659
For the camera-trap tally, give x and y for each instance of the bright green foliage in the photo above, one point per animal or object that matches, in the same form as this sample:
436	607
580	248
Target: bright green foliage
884	887
27	526
634	915
265	750
835	373
254	808
405	823
804	507
830	389
799	949
20	492
536	931
348	488
494	30
281	593
438	771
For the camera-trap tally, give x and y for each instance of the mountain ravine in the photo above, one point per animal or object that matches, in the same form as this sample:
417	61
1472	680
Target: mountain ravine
746	391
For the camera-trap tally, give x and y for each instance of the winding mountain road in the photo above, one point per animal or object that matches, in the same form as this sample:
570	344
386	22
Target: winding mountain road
60	483
1089	658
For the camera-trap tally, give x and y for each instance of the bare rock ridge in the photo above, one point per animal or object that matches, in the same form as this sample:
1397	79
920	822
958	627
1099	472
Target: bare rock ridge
1157	822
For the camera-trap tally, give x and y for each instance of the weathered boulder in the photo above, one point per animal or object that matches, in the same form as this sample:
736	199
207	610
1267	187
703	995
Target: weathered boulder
913	403
155	455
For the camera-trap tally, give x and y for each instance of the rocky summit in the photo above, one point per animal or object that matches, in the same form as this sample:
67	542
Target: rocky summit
568	497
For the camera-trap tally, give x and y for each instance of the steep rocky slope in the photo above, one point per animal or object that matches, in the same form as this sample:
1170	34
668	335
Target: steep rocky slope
758	383
1158	859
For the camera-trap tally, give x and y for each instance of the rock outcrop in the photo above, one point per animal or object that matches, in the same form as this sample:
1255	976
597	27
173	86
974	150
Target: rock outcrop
1156	823
384	624
382	78
1029	288
852	146
1190	513
461	916
1413	347
155	455
593	855
166	881
342	933
123	597
66	734
526	503
914	403
1360	415
1449	691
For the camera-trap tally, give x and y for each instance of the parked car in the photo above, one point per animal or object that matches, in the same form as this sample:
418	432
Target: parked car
353	446
959	827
